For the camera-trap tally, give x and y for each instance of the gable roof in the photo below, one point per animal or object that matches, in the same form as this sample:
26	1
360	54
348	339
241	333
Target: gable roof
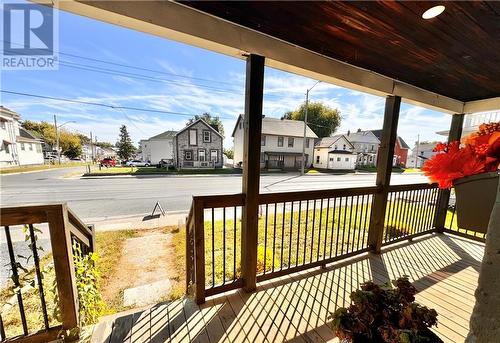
165	135
197	121
402	143
362	136
282	127
327	142
26	136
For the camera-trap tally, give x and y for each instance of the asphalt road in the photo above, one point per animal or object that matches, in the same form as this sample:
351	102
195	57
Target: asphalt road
98	198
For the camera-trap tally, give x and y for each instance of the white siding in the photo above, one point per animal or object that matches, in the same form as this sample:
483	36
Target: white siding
321	158
161	148
341	161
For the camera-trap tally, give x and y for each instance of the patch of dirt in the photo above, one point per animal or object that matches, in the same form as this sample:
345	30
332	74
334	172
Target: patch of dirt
145	259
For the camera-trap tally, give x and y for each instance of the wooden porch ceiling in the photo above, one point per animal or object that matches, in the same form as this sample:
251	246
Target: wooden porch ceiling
449	63
455	54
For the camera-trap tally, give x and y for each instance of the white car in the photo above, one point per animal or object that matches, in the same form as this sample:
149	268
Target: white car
137	163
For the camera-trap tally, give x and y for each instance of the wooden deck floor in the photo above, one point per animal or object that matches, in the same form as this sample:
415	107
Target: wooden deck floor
295	308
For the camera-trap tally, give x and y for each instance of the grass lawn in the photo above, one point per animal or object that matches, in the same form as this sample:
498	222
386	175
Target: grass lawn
412	170
159	171
11	170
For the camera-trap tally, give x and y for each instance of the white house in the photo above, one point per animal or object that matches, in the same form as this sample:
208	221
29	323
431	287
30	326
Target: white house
420	154
335	153
18	146
158	147
281	143
366	146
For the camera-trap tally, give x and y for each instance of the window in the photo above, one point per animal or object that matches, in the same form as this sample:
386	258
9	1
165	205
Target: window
188	155
308	142
373	147
290	142
7	149
262	140
261	157
336	147
207	138
22	147
241	124
201	155
338	159
347	159
30	146
331	159
2	124
344	147
193	133
38	148
280	141
317	159
214	156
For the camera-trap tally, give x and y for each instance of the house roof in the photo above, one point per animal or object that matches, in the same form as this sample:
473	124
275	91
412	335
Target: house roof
327	142
164	135
9	113
362	137
281	127
195	122
26	136
343	152
402	143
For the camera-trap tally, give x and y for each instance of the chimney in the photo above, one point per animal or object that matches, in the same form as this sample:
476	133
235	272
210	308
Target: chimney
348	132
359	130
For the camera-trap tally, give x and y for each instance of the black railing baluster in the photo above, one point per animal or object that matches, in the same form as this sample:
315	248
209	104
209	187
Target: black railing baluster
38	272
305	232
395	227
274	235
298	234
15	279
312	231
2	330
333	224
367	212
393	211
213	247
338	228
290	242
326	226
409	214
265	239
223	245
357	227
432	207
417	213
234	244
282	235
350	224
318	252
421	208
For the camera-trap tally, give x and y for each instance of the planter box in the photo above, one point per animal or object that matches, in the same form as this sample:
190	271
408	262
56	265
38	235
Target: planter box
475	197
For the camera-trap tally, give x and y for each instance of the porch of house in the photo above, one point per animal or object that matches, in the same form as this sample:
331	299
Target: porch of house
444	269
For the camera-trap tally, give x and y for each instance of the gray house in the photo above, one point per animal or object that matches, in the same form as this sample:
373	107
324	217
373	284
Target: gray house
198	145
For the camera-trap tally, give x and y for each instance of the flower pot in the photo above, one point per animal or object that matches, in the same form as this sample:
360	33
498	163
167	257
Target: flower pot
475	197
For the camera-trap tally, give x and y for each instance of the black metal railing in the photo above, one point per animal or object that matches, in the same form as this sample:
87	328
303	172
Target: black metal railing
410	211
39	273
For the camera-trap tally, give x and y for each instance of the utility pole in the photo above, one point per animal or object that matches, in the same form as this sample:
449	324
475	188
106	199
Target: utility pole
416	152
57	139
91	149
302	170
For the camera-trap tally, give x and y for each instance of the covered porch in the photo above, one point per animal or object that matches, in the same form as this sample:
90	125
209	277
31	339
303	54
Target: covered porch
277	264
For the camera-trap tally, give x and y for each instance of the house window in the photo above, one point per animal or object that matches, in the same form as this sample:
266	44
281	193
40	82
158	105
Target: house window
38	148
261	157
214	156
7	149
317	159
373	147
290	142
308	142
241	125
30	146
344	147
193	137
207	136
331	159
201	155
347	159
22	147
188	155
2	124
262	140
280	141
338	159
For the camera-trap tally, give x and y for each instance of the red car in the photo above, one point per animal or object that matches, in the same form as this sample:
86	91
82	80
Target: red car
107	162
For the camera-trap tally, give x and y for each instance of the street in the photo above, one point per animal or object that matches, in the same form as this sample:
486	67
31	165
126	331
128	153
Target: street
108	197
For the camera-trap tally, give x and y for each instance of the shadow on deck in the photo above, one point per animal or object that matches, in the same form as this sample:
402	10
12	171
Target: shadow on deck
443	268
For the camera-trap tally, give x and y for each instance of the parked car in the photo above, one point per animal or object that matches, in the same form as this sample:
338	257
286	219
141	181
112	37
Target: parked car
137	163
165	163
107	162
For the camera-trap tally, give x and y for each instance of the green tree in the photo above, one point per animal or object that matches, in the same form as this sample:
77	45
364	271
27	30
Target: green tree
69	143
106	145
125	147
322	119
213	121
229	153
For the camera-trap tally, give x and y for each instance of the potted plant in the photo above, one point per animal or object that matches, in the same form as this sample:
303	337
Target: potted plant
472	168
385	314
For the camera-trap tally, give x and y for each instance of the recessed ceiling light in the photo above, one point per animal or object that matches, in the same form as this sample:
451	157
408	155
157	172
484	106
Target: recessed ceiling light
433	12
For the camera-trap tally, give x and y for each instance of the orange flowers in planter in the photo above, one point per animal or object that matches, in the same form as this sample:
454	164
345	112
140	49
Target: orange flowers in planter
479	154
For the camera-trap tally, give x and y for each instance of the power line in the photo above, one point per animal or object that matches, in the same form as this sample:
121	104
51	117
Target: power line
102	104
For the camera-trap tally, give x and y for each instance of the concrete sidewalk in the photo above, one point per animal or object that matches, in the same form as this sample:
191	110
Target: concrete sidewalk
141	222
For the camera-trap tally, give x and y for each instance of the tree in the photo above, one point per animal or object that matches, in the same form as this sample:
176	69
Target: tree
322	119
105	145
213	121
125	147
229	153
69	143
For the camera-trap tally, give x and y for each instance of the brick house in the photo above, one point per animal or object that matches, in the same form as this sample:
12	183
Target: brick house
198	145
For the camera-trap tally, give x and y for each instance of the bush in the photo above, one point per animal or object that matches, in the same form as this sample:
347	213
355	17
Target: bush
385	314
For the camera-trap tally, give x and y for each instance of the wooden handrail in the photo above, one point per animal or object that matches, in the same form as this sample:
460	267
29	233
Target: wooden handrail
412	187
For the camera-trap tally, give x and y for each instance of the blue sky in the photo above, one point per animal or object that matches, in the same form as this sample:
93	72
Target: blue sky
178	84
